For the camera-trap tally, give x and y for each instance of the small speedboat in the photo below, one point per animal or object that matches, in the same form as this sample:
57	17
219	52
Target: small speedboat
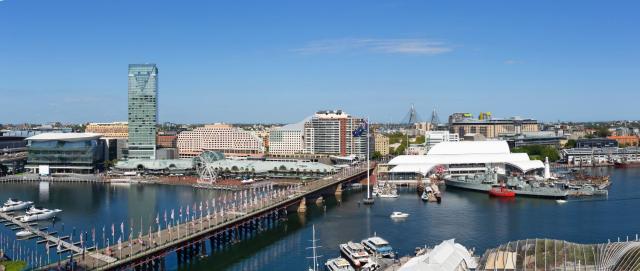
399	215
561	201
44	215
15	205
23	234
425	196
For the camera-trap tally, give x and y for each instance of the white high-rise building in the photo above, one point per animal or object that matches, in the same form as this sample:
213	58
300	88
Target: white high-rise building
287	139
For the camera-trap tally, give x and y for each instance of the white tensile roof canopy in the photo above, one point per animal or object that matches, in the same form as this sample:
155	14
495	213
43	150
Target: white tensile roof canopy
464	152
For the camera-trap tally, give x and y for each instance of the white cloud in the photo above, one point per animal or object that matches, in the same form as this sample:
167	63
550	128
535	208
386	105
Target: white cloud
390	46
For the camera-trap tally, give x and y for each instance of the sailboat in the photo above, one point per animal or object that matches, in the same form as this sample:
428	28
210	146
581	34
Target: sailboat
313	247
369	199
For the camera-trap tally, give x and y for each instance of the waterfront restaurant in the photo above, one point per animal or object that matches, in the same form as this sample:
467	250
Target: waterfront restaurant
461	158
50	153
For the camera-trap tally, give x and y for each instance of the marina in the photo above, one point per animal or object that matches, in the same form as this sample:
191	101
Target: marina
429	220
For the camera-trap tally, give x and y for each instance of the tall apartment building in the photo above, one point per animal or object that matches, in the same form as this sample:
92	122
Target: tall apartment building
382	144
330	133
143	110
287	139
493	128
110	130
221	138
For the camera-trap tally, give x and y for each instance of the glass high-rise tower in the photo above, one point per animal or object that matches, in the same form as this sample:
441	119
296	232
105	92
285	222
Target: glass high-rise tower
143	110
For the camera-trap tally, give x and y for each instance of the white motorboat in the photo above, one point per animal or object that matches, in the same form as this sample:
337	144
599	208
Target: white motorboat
23	234
355	253
35	210
399	215
45	215
378	246
15	205
388	195
338	264
561	201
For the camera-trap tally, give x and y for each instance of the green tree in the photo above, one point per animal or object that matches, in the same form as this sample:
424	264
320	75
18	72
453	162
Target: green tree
539	152
571	143
376	155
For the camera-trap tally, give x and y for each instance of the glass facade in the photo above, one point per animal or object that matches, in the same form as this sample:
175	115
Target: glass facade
83	156
143	110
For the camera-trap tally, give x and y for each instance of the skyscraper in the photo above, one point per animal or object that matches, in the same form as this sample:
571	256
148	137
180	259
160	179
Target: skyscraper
143	110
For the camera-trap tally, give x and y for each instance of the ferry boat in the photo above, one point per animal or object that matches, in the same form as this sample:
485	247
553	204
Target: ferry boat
46	214
15	205
355	253
339	264
378	246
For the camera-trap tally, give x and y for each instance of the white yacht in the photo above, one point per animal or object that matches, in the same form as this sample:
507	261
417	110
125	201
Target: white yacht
378	246
338	264
355	253
35	210
15	205
46	214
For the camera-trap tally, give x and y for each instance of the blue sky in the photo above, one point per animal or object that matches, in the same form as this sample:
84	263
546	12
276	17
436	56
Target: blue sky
279	61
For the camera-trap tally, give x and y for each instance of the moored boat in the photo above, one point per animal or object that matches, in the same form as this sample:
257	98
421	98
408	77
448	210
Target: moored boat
338	264
626	164
15	205
501	192
378	246
44	215
24	234
355	253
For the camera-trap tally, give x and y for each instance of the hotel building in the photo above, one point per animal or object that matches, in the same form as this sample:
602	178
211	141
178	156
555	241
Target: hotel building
143	110
221	138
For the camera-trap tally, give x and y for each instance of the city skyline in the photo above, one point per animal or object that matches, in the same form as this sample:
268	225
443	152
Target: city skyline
219	66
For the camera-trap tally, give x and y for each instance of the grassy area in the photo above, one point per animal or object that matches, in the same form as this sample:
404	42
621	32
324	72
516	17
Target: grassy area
539	152
14	265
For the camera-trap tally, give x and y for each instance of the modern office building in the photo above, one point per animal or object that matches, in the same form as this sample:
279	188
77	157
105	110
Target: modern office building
143	110
50	153
222	138
492	128
331	133
381	144
110	130
287	139
596	143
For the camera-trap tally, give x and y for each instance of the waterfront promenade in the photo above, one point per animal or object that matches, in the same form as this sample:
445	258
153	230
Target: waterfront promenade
227	218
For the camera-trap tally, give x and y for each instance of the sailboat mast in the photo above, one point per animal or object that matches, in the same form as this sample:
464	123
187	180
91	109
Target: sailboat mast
368	166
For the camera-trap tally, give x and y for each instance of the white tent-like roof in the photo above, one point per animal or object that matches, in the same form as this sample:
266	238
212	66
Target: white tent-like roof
470	152
446	256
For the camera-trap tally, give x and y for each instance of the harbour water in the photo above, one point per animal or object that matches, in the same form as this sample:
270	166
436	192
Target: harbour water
472	218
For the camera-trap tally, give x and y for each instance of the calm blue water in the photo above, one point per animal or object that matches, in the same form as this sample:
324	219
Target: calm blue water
473	219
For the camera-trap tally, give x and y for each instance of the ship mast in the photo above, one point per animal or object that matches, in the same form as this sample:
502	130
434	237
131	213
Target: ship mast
313	247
